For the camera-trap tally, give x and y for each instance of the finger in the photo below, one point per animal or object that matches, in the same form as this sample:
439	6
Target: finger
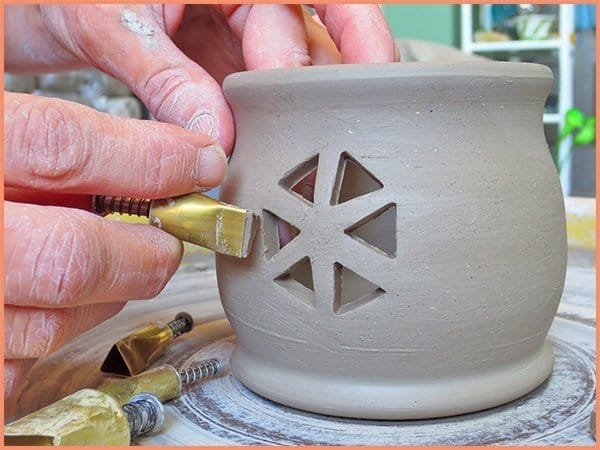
321	47
36	332
274	37
59	146
15	371
129	42
60	257
172	15
236	17
48	198
359	31
207	39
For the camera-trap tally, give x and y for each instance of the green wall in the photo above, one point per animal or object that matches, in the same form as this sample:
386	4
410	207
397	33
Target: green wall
436	23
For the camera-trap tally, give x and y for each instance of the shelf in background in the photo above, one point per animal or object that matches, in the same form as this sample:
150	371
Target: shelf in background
508	46
551	118
560	49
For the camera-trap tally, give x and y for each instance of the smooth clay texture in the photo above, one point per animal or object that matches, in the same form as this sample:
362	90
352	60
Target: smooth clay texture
426	267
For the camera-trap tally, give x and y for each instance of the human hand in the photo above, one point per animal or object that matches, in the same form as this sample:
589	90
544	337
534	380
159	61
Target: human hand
174	57
66	269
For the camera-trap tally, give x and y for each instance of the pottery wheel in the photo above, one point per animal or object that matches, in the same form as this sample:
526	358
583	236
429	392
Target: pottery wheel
223	411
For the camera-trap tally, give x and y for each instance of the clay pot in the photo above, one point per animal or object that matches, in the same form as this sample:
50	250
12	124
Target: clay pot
428	263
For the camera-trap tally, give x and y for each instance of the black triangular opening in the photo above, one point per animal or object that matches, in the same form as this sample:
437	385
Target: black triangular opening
352	180
115	364
352	290
301	180
377	230
298	280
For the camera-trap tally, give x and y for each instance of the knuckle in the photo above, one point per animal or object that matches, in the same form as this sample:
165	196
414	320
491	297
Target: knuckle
51	141
165	87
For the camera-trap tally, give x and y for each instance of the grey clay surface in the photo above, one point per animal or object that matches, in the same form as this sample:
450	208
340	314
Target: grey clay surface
429	264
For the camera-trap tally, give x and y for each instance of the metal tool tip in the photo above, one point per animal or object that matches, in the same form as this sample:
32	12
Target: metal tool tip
251	225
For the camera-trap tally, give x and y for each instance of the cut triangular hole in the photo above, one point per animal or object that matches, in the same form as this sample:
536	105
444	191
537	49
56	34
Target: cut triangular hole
301	180
377	230
277	233
298	280
352	180
352	290
115	364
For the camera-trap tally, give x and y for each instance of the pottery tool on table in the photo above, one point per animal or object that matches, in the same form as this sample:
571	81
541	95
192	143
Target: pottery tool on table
165	382
136	351
88	417
193	218
113	414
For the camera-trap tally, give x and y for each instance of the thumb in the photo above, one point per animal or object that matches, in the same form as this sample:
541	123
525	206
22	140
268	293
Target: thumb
131	43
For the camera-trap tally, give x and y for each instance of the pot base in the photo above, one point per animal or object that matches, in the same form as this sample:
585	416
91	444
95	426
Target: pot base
364	399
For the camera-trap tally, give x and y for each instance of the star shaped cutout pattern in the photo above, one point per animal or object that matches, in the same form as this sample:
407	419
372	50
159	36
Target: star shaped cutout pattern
376	230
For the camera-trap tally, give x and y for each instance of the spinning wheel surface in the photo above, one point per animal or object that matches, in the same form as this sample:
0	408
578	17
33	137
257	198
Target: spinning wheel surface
223	411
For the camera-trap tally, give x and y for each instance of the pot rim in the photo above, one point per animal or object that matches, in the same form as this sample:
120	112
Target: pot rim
396	70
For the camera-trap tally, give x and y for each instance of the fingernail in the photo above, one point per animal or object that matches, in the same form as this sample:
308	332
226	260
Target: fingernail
204	123
211	165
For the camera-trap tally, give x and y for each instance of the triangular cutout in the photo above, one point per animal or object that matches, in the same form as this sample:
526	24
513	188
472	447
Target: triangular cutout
377	230
115	364
301	180
352	290
352	180
298	280
277	233
305	188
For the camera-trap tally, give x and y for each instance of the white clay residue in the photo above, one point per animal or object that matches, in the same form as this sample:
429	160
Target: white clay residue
133	23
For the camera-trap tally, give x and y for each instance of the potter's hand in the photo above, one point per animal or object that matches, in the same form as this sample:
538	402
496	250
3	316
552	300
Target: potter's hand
67	269
174	57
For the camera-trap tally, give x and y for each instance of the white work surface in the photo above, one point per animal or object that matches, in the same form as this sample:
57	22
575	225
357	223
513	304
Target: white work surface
223	411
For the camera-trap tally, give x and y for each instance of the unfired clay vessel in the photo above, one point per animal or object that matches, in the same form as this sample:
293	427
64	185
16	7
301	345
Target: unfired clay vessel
426	268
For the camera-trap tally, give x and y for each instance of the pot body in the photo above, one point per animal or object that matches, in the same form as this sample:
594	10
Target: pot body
431	255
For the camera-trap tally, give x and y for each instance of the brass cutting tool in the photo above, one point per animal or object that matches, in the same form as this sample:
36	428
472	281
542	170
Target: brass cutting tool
115	413
165	382
136	351
87	417
193	218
